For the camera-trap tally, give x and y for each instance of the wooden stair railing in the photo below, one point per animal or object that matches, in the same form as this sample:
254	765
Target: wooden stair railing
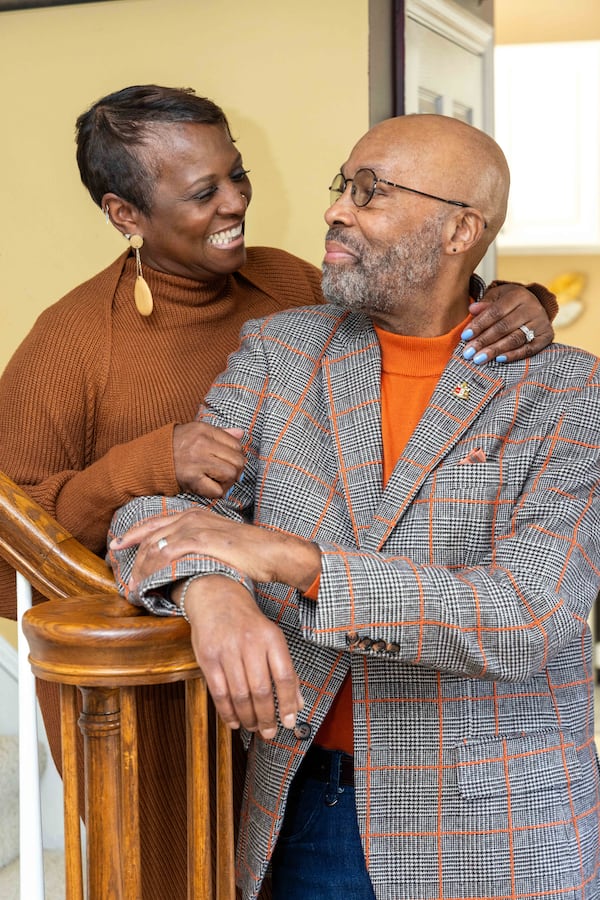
87	638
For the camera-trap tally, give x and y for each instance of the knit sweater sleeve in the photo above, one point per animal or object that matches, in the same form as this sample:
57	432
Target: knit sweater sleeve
48	396
84	500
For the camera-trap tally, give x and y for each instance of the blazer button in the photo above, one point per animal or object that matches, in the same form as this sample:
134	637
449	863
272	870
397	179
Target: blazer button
378	646
392	648
303	731
352	639
365	643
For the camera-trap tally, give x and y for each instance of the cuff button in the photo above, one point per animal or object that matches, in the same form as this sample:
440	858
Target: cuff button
303	731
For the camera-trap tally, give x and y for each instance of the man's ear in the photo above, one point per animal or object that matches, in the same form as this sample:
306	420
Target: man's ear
123	214
464	229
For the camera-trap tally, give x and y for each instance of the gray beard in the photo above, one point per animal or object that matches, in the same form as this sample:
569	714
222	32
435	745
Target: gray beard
380	281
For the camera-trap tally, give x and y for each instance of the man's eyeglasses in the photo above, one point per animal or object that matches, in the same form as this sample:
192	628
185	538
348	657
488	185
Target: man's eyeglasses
363	188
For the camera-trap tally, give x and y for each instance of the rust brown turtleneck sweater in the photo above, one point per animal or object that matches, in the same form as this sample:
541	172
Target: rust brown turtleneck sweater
87	405
88	401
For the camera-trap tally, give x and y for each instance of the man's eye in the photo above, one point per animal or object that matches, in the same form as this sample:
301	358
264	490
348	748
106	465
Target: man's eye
239	174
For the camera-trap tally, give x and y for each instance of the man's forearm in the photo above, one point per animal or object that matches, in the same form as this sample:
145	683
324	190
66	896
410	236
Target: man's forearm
296	562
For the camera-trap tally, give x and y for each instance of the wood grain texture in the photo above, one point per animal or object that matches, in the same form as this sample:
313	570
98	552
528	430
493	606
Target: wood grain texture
87	637
40	549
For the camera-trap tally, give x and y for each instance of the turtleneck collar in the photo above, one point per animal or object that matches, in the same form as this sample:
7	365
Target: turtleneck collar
406	354
177	288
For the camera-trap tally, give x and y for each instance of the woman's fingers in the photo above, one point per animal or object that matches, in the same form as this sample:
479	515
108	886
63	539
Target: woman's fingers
510	324
207	460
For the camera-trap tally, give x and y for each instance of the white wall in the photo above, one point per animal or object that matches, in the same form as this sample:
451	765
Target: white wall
51	785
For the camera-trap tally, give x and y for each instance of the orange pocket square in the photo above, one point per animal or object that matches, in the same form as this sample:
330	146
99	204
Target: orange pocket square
477	455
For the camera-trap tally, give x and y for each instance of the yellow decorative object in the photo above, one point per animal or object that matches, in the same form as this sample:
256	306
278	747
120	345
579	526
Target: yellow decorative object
568	288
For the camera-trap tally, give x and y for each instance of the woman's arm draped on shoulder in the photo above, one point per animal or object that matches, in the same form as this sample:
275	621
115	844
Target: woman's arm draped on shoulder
496	329
543	295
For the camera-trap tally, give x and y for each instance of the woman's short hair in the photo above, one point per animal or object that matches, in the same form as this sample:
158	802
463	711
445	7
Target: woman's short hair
114	136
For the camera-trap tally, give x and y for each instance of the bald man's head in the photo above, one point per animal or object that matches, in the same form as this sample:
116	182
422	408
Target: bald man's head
445	157
413	211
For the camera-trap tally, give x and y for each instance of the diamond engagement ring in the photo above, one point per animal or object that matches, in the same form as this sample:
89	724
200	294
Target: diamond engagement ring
528	332
162	543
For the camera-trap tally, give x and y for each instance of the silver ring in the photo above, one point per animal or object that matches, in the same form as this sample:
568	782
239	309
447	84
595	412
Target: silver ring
161	543
528	332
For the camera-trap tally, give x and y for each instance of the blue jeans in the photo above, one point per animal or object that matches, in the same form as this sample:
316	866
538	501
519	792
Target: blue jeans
319	855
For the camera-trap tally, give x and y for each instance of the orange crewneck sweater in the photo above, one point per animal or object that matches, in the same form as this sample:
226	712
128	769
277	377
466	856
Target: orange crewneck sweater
410	370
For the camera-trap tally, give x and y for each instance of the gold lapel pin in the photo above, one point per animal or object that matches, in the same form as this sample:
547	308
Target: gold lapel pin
462	391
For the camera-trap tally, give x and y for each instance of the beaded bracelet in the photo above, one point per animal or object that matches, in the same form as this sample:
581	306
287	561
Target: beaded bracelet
183	593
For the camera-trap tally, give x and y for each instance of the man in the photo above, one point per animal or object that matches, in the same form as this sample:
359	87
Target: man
402	631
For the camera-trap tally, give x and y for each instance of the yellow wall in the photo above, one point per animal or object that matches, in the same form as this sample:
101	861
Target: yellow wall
292	77
533	22
8	631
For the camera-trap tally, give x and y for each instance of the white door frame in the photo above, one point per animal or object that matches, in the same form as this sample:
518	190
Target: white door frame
452	22
455	24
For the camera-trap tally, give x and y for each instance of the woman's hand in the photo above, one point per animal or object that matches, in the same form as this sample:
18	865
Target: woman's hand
495	331
208	460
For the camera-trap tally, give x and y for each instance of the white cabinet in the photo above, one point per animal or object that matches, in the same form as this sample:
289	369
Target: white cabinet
547	99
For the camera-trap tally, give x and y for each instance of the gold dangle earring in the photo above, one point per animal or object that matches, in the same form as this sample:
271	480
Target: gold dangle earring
141	292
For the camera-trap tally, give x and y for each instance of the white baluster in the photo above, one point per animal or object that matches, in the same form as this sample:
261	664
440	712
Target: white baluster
30	815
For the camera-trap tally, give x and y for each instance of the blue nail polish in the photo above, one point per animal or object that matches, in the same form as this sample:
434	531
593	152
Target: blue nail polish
480	358
501	359
230	491
467	334
469	352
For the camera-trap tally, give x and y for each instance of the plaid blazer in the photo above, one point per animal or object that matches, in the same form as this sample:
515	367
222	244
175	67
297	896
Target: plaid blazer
458	596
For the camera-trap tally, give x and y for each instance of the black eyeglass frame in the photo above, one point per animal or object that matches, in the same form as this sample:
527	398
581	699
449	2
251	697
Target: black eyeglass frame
336	192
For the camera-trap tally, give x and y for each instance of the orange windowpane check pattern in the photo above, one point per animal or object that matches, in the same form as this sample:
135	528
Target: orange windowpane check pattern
410	369
457	596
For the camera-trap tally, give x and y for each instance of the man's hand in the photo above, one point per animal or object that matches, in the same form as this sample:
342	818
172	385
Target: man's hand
496	325
208	460
243	655
260	554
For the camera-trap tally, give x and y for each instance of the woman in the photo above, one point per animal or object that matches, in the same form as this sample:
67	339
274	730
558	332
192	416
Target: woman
97	402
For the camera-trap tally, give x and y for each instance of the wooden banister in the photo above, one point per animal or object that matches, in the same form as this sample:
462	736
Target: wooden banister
39	548
94	641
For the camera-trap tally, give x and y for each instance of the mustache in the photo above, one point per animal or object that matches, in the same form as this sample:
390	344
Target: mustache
340	236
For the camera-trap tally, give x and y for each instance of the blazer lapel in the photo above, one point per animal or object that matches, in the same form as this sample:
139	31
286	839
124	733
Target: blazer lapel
461	394
351	383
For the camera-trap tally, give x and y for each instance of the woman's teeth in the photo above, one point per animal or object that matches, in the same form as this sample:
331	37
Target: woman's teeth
225	237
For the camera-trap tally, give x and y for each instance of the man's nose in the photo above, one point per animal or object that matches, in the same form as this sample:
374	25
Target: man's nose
341	210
